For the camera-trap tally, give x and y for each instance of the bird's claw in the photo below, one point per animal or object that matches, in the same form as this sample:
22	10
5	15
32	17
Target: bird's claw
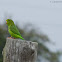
10	37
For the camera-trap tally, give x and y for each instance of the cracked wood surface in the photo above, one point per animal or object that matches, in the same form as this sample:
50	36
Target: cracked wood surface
17	50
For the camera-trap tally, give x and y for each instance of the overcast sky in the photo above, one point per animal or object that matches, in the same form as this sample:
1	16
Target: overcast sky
45	14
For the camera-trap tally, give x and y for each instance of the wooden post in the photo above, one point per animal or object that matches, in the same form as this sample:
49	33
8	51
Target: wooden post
17	50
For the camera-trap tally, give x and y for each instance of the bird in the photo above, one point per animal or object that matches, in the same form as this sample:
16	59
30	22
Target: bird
12	29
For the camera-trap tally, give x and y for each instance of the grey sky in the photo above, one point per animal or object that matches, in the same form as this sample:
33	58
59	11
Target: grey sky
42	13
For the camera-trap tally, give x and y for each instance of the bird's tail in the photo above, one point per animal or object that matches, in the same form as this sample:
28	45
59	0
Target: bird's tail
21	38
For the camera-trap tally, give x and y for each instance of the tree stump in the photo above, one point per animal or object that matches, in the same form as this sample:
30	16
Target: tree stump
17	50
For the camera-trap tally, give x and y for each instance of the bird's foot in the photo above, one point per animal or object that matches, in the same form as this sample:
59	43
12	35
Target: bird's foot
14	38
10	37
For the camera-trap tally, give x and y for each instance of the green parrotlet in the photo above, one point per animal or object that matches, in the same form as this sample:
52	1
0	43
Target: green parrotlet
14	32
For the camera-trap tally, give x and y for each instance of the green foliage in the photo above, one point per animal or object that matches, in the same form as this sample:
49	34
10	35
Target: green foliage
2	41
32	35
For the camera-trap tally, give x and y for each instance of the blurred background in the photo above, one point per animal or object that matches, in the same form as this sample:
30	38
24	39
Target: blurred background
38	21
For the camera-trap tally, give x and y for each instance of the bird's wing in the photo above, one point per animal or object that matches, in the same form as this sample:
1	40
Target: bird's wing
14	29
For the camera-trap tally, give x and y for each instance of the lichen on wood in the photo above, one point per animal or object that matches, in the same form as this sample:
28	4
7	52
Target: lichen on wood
17	50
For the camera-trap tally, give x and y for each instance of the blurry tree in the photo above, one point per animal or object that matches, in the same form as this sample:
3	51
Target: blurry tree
30	33
2	40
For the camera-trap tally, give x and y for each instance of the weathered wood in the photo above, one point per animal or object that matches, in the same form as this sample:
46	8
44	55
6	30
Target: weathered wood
17	50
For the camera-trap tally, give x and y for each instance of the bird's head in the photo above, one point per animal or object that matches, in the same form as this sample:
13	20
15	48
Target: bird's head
9	22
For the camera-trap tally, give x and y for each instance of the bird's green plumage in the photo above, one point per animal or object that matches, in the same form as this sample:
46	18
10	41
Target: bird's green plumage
14	32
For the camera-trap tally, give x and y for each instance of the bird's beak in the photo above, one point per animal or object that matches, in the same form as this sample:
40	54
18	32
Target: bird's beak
6	22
